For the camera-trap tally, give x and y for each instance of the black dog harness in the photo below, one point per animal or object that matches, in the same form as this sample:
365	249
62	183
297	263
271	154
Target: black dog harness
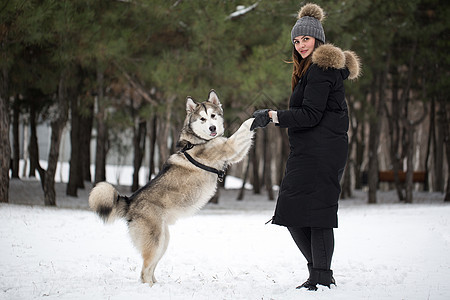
220	173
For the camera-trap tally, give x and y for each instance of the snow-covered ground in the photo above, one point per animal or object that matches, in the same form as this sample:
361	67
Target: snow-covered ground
383	251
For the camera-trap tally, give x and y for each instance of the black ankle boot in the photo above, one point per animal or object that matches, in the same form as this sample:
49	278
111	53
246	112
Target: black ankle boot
307	283
322	277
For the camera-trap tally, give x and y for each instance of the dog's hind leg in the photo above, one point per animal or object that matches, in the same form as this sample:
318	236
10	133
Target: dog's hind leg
148	267
152	252
162	247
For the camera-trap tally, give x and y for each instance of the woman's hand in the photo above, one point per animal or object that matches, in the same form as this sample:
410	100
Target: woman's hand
262	118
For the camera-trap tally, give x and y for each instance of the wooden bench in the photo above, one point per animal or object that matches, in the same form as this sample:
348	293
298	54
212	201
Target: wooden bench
388	176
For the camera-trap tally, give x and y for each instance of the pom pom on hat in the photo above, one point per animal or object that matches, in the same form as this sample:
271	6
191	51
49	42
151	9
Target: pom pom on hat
311	10
309	23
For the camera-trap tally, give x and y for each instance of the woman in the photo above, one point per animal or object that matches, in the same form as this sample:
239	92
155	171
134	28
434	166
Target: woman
317	122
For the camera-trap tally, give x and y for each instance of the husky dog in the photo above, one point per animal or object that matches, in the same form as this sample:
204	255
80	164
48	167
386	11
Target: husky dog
184	185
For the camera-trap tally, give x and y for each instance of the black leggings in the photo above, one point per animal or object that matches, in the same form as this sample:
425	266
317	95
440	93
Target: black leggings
316	244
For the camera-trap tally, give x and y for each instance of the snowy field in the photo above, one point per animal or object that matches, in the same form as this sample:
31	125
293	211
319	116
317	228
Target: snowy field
383	251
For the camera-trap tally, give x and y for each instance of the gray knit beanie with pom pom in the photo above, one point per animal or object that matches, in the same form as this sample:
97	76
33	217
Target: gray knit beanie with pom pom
309	23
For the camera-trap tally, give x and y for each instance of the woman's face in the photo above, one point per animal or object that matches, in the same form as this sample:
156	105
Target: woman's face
304	45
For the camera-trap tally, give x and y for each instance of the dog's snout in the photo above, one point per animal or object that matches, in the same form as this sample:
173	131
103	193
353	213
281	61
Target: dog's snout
212	128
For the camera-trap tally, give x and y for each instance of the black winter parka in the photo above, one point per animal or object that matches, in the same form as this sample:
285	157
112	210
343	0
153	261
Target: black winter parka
317	122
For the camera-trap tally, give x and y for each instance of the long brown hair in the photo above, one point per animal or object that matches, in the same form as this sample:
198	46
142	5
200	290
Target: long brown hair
301	65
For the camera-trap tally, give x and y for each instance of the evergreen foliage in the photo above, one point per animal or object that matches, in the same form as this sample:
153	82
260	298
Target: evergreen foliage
151	54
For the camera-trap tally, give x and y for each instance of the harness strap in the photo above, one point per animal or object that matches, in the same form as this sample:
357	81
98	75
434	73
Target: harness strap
220	173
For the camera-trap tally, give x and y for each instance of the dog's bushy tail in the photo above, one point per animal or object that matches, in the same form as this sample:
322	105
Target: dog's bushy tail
105	200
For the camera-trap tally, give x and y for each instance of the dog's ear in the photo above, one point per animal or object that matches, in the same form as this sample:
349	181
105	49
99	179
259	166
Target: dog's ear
191	105
213	98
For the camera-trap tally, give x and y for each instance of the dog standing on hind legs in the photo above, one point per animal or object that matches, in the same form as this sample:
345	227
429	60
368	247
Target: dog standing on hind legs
184	185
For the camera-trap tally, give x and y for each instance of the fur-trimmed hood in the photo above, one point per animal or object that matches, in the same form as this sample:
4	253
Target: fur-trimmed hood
329	56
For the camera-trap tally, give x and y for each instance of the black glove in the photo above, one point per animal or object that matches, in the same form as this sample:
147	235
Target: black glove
261	119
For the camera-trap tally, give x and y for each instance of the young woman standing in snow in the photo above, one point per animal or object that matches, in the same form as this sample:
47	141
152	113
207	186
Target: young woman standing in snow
317	122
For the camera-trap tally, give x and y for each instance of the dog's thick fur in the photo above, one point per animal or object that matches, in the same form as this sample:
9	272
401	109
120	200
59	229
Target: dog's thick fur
181	188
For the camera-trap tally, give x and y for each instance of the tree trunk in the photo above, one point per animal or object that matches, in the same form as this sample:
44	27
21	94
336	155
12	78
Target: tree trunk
5	148
16	144
101	150
26	140
410	128
267	165
244	181
255	163
429	140
75	155
394	134
57	126
163	135
373	163
409	165
85	145
360	148
446	138
102	131
139	149
346	191
377	97
161	138
49	175
153	135
374	138
34	148
439	150
346	178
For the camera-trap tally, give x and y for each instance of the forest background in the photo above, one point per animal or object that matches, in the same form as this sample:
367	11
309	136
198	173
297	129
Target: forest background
109	69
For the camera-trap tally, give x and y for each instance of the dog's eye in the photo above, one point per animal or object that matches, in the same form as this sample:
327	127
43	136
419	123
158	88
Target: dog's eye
202	119
213	116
